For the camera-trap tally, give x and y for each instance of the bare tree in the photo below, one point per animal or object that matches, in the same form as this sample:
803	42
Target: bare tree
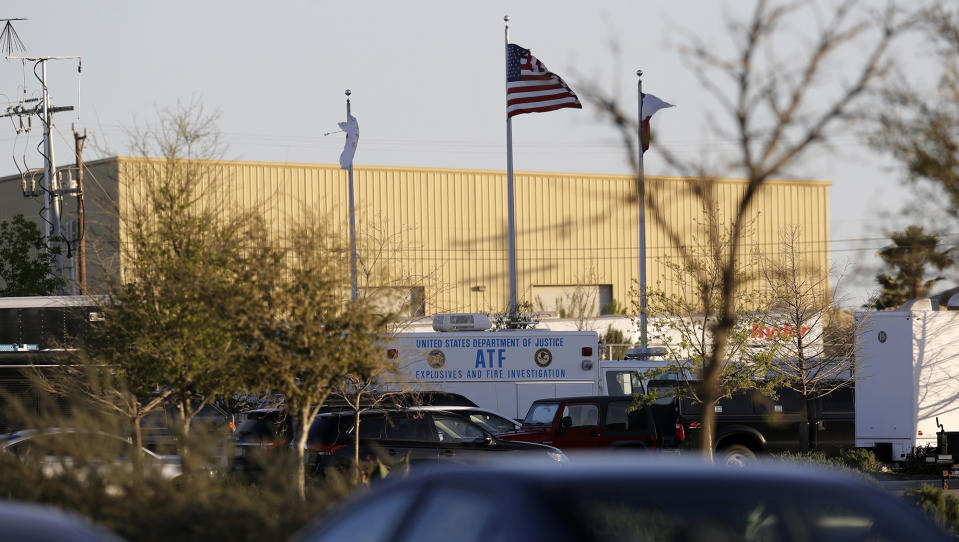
363	391
918	125
815	352
386	274
104	389
579	301
778	98
685	312
312	336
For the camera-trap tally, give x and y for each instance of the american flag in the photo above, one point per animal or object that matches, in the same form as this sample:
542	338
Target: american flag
531	88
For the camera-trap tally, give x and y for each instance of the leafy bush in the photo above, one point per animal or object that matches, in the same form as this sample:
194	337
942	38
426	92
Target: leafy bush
860	459
915	462
89	467
818	458
151	508
812	456
941	508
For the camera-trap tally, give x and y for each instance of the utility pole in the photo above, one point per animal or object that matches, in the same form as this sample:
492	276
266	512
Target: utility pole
51	184
81	262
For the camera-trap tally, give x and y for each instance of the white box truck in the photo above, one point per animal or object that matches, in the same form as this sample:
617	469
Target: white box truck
507	370
907	376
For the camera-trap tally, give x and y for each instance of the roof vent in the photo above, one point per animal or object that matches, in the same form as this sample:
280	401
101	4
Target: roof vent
953	303
461	322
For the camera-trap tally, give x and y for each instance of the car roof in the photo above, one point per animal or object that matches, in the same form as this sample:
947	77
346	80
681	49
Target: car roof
28	434
28	521
600	467
434	408
585	398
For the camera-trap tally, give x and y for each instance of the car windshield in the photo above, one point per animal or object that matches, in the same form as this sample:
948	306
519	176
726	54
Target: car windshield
257	427
541	413
754	512
491	422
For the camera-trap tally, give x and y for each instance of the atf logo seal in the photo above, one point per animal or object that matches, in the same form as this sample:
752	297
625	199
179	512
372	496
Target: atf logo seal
543	357
436	359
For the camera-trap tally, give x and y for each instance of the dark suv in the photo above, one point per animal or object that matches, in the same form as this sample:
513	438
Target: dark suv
396	436
601	421
749	423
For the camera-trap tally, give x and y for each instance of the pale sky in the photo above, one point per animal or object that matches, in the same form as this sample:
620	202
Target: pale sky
427	79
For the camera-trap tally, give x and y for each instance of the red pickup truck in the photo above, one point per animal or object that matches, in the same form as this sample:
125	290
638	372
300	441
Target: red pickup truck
579	423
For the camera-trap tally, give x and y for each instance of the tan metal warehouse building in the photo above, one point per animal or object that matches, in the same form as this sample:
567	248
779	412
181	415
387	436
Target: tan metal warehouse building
442	232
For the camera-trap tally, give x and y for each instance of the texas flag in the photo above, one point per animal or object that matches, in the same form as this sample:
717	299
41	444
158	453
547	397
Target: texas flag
651	104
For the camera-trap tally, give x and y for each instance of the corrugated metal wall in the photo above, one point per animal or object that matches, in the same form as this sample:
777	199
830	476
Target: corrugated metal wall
445	229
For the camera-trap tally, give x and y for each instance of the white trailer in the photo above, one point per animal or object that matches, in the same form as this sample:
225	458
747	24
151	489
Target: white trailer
506	371
907	375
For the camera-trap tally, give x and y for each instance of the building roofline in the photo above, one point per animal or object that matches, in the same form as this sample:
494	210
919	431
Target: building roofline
567	175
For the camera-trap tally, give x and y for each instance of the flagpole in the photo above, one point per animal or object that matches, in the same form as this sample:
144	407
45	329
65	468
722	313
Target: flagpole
354	290
642	221
511	228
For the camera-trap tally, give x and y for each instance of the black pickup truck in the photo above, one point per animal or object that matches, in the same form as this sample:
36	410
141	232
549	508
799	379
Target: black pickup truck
749	423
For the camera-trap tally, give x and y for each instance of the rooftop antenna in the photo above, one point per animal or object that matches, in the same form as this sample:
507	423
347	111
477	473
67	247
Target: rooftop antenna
9	39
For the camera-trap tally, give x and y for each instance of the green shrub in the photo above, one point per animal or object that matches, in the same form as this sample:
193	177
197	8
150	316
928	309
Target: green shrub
861	460
915	462
941	508
812	456
147	507
819	459
99	479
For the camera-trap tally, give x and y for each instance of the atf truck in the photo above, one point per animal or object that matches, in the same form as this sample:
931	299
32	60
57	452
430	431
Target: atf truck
507	370
907	380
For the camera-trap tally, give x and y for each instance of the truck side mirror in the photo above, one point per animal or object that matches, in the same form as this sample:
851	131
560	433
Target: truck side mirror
566	422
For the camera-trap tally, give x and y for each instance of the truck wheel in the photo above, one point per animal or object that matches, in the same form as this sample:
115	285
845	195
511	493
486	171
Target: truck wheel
736	455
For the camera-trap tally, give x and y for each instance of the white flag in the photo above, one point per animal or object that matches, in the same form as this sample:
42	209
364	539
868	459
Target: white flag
652	104
352	130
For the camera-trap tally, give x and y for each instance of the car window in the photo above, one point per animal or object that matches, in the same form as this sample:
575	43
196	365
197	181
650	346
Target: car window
663	389
263	428
453	513
375	521
583	415
409	427
621	416
541	413
754	511
456	429
491	422
373	427
616	419
623	382
325	430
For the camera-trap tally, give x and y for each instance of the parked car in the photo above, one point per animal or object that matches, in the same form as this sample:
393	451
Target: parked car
59	450
261	432
413	436
589	422
263	429
36	523
614	499
159	426
493	422
749	423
